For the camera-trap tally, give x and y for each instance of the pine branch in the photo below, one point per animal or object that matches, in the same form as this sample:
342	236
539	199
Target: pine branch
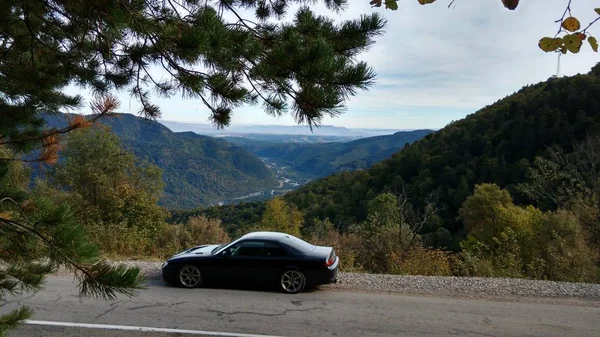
93	282
23	277
106	281
102	107
11	320
240	19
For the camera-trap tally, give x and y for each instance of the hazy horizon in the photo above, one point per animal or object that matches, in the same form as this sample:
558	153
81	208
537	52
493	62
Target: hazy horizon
274	129
292	126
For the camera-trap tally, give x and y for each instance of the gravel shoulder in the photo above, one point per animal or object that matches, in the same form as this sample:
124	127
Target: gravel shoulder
501	289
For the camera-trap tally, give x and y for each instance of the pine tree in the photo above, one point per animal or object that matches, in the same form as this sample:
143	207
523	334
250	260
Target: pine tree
306	66
38	236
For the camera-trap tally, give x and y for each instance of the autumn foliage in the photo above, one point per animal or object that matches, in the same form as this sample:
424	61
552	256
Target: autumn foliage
571	41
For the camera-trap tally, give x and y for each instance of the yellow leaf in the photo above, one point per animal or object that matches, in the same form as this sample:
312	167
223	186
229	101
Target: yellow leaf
425	2
597	10
549	44
391	4
593	43
573	43
571	24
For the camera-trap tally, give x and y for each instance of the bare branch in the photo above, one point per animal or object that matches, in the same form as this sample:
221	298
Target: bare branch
415	219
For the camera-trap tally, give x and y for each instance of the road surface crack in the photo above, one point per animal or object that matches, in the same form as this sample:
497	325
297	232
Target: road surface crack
38	308
58	298
146	306
20	302
285	312
460	332
112	307
176	303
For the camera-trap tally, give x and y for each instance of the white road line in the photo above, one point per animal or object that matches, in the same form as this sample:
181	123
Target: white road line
141	329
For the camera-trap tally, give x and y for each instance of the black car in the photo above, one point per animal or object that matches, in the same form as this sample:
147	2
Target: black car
266	257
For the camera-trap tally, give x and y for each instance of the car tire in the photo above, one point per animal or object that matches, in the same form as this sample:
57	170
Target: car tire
190	276
292	281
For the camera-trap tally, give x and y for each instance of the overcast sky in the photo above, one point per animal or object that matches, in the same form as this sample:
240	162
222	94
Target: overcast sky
436	64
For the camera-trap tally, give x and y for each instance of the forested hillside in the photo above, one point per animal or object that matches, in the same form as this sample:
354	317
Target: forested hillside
197	170
236	218
326	158
496	144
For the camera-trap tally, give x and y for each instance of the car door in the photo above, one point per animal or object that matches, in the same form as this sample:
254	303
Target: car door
242	260
274	259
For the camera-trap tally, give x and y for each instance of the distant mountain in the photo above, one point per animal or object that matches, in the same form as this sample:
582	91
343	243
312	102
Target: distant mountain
296	130
197	170
283	138
326	158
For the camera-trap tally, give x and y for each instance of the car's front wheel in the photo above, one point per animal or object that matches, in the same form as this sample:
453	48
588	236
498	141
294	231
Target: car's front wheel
190	276
292	281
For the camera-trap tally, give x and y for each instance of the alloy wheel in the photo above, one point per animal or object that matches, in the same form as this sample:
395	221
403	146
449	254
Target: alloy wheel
292	281
190	276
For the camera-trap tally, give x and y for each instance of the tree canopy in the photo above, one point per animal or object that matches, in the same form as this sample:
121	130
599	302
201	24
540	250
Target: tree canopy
306	65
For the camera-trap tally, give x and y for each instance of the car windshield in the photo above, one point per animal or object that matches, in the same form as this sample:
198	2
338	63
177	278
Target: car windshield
217	248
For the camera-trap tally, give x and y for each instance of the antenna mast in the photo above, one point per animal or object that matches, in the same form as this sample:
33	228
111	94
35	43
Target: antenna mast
558	66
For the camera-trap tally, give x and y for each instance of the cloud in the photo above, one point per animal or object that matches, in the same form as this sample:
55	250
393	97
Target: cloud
436	64
466	57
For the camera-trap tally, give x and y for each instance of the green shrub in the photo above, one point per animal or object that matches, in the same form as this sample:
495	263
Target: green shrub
121	240
422	261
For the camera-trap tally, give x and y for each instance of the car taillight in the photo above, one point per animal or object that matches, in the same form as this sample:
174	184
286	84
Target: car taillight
331	259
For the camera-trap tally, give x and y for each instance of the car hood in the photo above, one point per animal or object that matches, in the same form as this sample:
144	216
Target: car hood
198	251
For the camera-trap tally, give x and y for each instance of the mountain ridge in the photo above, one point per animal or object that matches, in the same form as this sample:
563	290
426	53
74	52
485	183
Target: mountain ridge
321	159
198	170
321	131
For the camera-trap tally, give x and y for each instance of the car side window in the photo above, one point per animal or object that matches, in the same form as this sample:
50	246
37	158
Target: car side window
292	250
246	249
273	250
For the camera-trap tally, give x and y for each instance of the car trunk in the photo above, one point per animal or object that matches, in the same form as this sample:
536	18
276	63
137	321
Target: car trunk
327	254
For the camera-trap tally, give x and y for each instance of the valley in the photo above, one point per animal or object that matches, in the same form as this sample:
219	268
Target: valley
254	164
288	181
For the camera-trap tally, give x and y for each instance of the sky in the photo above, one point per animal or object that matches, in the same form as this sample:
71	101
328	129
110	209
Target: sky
435	64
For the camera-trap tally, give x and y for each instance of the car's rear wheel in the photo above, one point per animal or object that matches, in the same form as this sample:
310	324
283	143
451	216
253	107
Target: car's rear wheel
190	276
292	281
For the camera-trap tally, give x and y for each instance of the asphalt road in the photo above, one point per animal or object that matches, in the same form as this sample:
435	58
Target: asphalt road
244	313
